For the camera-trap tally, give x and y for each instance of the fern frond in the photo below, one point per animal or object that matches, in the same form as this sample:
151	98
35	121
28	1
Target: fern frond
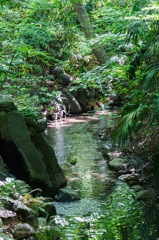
152	77
127	125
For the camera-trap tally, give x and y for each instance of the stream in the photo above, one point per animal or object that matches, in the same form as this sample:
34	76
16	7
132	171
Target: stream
107	209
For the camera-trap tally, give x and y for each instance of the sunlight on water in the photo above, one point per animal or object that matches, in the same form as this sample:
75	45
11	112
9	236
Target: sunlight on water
107	209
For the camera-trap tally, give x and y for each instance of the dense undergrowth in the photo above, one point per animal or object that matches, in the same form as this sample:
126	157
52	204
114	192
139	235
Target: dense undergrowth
26	204
34	42
38	36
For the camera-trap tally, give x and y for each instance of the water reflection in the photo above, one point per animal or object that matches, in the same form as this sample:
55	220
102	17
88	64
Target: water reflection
107	209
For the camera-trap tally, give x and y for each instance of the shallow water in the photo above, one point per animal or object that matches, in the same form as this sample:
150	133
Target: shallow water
107	209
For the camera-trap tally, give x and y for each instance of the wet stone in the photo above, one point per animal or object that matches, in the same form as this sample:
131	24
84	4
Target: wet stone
6	213
4	236
147	194
132	179
67	195
23	231
117	164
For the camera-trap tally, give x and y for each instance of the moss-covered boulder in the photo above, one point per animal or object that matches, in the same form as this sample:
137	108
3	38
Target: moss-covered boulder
117	164
146	195
28	156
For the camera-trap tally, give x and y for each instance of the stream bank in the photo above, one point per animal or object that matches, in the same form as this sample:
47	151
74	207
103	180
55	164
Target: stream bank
108	206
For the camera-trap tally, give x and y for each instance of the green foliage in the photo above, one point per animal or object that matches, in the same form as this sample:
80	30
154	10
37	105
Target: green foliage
49	233
28	106
11	187
17	190
93	79
152	78
128	124
36	204
33	42
140	112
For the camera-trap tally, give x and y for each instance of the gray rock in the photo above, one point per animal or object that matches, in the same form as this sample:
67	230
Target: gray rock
67	195
22	210
4	236
92	102
74	106
132	179
23	231
117	164
146	195
57	71
6	213
6	105
36	126
124	171
87	108
34	156
64	79
82	99
54	171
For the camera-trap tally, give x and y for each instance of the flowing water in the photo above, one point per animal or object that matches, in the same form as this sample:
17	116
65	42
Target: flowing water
107	209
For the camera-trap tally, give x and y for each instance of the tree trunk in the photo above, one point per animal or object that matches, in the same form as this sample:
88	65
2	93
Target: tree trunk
88	30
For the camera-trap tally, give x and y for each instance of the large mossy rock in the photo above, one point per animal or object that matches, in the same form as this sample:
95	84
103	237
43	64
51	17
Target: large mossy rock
73	104
28	157
7	105
146	195
117	164
23	231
